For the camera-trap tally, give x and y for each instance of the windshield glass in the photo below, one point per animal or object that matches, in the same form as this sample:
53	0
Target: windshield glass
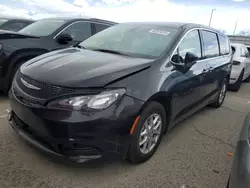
43	27
2	21
144	41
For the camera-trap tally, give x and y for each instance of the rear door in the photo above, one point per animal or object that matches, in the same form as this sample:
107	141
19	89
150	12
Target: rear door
215	61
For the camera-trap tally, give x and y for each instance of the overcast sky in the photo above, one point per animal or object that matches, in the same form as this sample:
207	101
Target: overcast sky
197	11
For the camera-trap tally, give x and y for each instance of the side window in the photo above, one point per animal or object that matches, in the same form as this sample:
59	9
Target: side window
244	52
190	43
224	45
79	31
233	49
248	49
100	27
211	45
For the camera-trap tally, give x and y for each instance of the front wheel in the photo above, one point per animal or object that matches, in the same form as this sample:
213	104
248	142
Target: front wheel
147	134
221	95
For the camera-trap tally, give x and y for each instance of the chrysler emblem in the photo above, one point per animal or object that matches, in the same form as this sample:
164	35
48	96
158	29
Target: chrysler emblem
29	85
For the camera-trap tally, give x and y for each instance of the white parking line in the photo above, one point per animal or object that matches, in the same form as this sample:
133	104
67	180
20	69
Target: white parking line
3	116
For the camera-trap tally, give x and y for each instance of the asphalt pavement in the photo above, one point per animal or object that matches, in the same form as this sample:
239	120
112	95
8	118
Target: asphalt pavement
192	155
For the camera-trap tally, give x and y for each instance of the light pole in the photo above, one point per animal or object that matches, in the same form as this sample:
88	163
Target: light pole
211	16
235	26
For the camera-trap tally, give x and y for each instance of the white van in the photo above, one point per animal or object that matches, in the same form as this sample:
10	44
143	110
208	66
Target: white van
241	66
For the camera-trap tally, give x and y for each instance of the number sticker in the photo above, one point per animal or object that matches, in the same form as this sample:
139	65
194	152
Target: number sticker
159	32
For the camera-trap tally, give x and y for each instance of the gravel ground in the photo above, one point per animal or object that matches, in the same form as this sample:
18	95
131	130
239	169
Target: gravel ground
193	155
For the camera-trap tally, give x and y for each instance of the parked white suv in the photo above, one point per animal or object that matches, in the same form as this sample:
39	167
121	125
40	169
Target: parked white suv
241	66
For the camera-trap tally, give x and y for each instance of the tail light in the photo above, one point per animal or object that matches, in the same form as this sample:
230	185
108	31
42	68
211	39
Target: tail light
236	63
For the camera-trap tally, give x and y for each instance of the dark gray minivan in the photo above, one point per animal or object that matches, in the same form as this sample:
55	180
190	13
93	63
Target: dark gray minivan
119	91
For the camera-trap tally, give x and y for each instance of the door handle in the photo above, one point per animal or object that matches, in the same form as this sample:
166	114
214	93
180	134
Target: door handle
205	70
211	68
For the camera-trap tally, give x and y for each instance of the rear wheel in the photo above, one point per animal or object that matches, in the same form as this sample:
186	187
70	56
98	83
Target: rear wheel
221	95
236	86
147	134
247	79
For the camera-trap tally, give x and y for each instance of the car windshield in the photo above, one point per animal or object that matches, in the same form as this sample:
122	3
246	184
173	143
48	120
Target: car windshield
43	27
2	21
144	41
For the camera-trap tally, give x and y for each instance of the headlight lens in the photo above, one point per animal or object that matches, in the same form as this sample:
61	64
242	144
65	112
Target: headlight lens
100	101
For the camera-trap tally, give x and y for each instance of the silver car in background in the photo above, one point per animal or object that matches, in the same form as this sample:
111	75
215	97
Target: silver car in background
241	66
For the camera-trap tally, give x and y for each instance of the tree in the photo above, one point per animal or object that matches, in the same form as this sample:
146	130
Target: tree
244	32
222	31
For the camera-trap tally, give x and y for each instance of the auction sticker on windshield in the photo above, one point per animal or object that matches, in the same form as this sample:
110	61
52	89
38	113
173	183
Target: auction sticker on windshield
159	32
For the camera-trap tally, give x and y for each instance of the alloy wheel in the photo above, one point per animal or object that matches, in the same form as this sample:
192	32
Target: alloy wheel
222	93
150	133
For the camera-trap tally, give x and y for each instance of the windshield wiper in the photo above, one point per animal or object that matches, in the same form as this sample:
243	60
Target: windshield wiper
110	51
79	46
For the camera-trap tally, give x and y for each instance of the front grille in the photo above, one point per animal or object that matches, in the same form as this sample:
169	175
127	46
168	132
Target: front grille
26	99
46	91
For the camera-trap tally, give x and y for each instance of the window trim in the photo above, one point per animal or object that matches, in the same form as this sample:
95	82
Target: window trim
87	21
218	35
199	28
71	25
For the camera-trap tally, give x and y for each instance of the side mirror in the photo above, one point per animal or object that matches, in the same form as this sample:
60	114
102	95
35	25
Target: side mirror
184	65
64	38
190	60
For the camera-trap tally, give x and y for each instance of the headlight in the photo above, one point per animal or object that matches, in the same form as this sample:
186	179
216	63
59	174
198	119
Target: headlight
101	101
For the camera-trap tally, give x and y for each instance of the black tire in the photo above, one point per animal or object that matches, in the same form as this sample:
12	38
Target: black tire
219	101
236	86
135	155
247	79
11	77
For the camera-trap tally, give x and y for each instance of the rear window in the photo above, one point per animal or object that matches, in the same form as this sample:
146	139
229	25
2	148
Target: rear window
224	45
211	45
248	48
233	49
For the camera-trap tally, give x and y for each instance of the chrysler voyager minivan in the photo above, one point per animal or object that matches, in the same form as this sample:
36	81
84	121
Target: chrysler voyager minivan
118	92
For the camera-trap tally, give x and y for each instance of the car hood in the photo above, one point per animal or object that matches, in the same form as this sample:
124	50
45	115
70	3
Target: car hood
4	34
74	67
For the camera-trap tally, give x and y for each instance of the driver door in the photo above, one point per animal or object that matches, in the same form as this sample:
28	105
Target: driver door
189	91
